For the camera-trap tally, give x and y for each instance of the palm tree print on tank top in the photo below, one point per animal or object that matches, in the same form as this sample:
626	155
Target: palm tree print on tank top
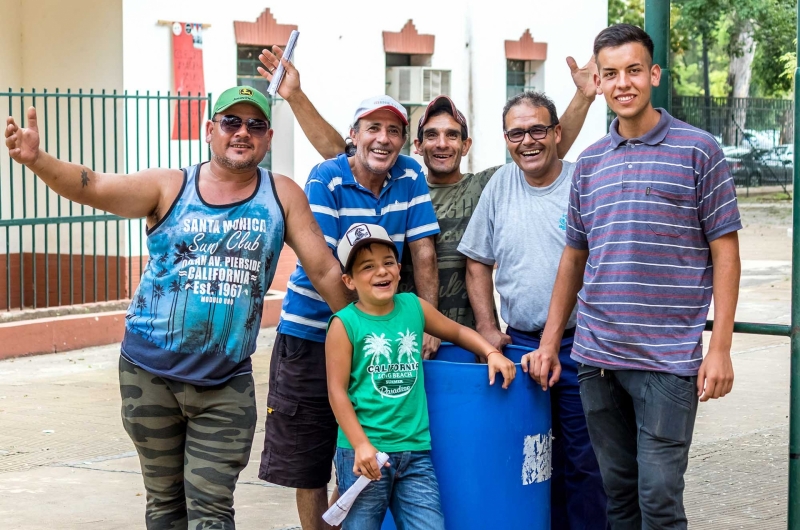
210	266
392	366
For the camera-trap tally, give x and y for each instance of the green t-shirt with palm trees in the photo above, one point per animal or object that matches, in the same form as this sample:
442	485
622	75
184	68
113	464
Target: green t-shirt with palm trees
387	388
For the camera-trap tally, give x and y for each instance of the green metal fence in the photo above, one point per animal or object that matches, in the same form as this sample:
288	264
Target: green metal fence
61	253
755	134
657	24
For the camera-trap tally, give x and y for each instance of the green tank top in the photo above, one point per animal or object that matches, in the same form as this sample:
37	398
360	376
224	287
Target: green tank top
387	387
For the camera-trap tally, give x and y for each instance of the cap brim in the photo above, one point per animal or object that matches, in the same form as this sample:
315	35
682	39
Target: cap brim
366	241
385	107
248	102
442	102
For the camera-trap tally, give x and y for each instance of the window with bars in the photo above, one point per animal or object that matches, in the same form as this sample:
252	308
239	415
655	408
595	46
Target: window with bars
433	82
522	76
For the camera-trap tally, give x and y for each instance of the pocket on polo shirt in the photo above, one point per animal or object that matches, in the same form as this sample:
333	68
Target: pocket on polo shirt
676	199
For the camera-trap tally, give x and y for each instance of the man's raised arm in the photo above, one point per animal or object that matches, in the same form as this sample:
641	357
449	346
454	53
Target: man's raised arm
573	118
135	195
325	139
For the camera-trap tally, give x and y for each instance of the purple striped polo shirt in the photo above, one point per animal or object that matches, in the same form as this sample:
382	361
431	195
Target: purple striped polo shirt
646	208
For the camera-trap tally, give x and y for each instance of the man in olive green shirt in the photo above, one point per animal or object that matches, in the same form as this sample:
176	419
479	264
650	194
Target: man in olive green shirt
442	140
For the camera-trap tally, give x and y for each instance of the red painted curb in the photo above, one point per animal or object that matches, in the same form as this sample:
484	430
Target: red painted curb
72	332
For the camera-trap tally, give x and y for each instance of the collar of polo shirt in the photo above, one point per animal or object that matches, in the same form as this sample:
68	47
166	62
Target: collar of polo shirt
654	136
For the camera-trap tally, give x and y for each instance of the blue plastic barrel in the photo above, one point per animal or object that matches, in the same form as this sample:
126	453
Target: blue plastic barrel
491	447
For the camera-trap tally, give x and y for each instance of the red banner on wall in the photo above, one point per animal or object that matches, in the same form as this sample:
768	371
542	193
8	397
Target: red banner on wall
187	65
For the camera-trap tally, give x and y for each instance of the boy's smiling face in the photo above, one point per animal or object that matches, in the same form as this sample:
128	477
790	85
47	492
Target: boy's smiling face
375	274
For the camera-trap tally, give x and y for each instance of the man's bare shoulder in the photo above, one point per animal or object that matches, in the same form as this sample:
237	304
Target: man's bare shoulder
285	184
172	178
168	181
160	173
289	192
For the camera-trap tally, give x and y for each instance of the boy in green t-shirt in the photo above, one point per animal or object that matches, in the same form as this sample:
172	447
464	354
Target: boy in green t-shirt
377	389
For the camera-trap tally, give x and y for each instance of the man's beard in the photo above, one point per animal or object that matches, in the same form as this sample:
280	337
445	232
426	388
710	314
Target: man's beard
237	165
372	168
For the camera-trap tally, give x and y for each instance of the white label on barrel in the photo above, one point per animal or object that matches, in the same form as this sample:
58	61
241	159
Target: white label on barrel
537	458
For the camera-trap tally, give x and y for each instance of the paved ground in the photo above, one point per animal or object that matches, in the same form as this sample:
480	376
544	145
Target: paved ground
65	461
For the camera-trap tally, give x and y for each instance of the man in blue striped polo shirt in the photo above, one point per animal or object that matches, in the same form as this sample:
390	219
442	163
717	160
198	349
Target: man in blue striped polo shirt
651	235
376	186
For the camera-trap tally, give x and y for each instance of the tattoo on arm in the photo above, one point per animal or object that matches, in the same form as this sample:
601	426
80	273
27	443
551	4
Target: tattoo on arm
316	230
84	178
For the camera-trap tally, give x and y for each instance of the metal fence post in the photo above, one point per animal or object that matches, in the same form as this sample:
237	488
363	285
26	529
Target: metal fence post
794	399
656	24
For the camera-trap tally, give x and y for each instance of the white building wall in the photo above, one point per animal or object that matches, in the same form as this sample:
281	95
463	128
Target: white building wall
341	59
73	44
10	44
567	26
118	44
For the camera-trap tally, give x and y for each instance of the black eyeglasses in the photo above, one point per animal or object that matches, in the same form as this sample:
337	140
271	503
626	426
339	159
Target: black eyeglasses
537	133
231	124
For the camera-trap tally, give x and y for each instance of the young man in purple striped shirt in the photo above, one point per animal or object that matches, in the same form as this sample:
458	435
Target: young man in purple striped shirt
652	233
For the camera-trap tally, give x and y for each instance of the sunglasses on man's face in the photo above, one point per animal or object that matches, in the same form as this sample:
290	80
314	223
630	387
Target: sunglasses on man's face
537	133
231	124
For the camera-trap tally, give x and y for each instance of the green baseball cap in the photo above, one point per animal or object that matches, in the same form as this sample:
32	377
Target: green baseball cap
243	94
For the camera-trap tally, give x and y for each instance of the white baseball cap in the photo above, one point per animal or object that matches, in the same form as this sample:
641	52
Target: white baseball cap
357	236
370	105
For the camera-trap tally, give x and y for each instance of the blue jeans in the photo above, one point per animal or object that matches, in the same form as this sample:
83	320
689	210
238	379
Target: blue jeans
408	487
577	499
641	426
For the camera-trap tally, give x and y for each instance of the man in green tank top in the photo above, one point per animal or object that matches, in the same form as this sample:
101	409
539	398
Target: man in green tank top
376	385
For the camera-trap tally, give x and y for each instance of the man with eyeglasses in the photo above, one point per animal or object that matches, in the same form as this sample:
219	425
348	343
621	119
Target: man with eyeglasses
214	234
443	140
520	225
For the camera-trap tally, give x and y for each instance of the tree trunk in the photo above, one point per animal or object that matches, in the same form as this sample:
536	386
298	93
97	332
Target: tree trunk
739	75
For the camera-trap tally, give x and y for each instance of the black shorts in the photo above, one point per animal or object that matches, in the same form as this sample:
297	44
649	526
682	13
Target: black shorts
301	430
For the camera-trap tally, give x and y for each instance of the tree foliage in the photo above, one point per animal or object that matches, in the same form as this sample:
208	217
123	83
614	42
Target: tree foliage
776	37
720	22
626	12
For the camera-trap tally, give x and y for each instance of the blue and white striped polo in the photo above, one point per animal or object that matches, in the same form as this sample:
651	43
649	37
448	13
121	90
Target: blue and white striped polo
403	208
646	208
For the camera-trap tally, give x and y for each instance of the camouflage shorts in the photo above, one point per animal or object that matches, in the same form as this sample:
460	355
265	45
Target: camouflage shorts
192	442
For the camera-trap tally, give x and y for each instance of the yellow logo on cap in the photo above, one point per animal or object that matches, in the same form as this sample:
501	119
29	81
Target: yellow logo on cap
245	92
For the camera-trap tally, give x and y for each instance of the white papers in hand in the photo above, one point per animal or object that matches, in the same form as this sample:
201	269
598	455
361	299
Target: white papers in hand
277	77
336	513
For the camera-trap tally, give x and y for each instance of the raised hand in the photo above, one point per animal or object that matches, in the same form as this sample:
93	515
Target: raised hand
583	77
23	143
291	79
